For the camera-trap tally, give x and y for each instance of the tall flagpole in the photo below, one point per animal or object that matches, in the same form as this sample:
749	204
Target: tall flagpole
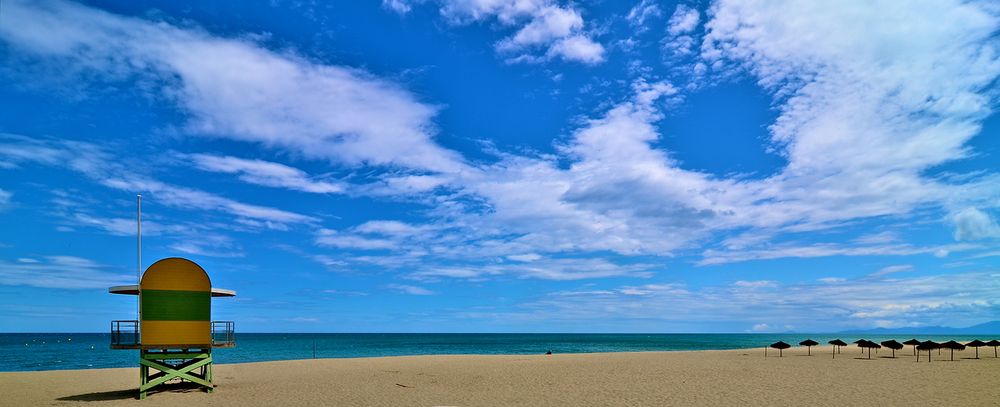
138	249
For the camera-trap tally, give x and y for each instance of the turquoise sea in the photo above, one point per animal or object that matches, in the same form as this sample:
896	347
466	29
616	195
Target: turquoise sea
50	351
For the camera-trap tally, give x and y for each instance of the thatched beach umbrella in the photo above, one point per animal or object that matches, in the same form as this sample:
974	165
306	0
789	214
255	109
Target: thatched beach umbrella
892	344
913	343
953	346
927	346
780	346
860	342
994	343
808	343
873	345
976	344
837	343
864	343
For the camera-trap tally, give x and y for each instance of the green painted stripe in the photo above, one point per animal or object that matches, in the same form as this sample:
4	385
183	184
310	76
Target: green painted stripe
165	305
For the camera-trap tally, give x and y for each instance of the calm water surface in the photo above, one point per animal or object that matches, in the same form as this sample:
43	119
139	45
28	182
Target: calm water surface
24	351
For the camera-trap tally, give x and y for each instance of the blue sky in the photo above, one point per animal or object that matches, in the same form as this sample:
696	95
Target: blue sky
506	165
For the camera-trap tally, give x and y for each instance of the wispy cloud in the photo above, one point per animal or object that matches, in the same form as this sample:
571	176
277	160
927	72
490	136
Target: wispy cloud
545	29
5	199
64	272
410	289
543	269
644	10
264	173
236	89
959	299
102	167
215	249
867	114
712	256
899	268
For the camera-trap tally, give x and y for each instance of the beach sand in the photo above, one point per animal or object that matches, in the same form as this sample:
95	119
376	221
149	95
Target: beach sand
701	378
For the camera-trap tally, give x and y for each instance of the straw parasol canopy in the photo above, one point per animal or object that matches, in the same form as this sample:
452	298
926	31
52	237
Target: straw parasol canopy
808	343
780	346
994	343
953	346
892	344
913	342
927	346
976	344
837	343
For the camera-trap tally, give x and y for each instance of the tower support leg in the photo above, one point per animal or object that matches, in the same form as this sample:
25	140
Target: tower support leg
193	366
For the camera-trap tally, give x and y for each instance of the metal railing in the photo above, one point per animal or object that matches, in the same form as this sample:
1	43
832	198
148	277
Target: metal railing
125	333
223	334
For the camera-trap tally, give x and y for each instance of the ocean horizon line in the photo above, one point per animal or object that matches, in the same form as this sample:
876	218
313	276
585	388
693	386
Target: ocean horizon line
47	351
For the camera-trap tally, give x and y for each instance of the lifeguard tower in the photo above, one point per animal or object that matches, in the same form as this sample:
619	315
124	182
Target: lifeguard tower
175	333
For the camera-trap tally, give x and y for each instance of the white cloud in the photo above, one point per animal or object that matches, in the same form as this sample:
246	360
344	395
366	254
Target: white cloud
399	6
543	25
974	224
712	256
951	300
756	284
346	293
328	261
126	226
408	184
199	249
104	168
264	173
878	238
577	48
641	12
65	272
543	269
609	183
410	289
527	257
5	198
331	238
547	25
188	198
390	228
854	75
234	88
899	268
867	109
684	20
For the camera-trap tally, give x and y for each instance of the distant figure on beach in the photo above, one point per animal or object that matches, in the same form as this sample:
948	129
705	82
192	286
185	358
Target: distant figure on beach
548	352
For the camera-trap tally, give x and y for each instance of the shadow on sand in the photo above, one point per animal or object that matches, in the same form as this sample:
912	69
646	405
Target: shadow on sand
133	393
